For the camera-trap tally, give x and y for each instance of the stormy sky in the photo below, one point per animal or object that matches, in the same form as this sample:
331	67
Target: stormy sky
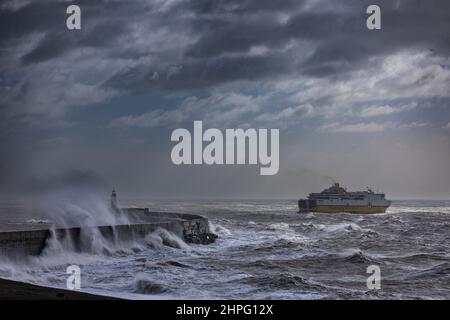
95	107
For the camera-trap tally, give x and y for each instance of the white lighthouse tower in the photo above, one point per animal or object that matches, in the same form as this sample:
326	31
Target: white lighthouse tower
114	207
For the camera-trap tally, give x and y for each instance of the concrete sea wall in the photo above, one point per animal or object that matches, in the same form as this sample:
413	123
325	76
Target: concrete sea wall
32	241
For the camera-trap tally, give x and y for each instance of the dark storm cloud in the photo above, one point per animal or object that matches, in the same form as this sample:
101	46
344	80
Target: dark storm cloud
128	47
37	16
335	33
242	6
49	17
340	37
50	47
405	25
234	34
338	40
199	74
55	44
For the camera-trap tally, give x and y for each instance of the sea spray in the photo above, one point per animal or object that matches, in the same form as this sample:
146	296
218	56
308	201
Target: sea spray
218	229
16	270
84	210
251	260
58	242
78	208
161	237
92	241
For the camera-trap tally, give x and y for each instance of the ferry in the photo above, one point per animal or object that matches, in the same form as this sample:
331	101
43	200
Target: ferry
337	199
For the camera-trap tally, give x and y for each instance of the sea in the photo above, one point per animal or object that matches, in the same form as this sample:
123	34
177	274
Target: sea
265	250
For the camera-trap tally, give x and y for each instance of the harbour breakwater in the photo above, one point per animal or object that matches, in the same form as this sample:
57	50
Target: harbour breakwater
32	239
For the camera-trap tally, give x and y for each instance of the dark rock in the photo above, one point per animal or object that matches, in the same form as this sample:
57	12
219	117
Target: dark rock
201	238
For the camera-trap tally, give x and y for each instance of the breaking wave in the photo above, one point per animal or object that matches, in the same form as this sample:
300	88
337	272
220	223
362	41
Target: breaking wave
219	229
161	237
273	253
339	227
145	285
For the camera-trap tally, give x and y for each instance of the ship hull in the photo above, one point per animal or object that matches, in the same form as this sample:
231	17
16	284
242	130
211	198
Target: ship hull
336	199
346	209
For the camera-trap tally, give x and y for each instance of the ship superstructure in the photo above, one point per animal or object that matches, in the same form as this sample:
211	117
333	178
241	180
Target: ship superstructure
337	199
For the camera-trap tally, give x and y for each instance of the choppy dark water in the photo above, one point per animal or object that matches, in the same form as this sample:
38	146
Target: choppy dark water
268	251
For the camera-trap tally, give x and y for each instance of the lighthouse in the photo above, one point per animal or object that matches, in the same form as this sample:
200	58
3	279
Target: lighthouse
114	207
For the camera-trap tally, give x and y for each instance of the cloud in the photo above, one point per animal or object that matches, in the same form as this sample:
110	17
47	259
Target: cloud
406	83
224	109
203	44
370	127
234	63
147	120
375	111
286	117
447	126
415	125
391	85
354	128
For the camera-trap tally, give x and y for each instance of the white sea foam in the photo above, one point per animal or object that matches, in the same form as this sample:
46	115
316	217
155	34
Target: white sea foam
77	208
422	209
219	229
161	237
216	271
279	226
39	221
339	227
